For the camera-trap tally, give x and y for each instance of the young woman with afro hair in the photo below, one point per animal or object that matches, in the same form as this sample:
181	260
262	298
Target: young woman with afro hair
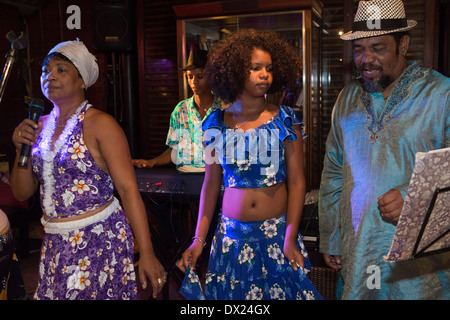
255	149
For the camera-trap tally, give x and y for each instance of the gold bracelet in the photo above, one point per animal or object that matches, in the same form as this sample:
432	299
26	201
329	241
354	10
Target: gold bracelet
199	239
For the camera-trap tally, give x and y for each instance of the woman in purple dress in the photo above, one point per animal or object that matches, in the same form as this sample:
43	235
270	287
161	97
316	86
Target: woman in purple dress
79	155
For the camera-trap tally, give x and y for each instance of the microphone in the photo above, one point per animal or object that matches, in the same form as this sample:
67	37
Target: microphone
35	111
16	44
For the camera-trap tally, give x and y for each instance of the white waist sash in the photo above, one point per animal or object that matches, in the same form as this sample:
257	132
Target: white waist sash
66	227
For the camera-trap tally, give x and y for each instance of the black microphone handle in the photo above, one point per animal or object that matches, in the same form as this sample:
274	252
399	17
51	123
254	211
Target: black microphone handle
36	109
24	157
34	116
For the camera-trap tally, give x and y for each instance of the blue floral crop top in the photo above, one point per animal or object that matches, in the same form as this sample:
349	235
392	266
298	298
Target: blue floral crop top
253	158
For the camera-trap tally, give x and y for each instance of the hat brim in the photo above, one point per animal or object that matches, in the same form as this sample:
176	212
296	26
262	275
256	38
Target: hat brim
192	67
366	34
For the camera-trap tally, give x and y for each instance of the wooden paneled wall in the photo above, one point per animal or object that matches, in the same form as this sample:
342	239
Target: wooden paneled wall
158	71
158	84
157	57
45	24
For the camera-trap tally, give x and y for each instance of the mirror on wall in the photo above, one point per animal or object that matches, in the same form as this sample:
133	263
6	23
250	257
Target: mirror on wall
299	23
203	33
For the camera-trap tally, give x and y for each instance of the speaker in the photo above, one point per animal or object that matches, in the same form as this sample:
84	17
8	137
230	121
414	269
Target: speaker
114	25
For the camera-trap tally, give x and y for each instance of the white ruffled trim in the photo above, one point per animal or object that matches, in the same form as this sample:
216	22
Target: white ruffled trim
66	227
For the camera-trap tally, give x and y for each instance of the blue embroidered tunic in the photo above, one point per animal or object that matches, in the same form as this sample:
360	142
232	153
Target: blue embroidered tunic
371	149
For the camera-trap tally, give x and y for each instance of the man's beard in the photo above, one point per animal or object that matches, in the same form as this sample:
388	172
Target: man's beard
374	85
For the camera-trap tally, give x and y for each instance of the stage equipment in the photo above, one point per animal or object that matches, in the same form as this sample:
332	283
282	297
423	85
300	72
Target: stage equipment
114	27
115	34
424	224
164	183
171	199
17	43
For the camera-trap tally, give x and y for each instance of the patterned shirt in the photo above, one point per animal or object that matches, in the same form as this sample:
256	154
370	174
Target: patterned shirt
185	135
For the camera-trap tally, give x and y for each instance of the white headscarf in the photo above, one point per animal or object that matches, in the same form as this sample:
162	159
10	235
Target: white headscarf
82	59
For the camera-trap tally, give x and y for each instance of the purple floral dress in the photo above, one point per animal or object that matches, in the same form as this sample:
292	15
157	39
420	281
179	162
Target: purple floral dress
91	258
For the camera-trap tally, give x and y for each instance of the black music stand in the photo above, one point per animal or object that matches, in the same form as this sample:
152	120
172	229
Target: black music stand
424	225
433	245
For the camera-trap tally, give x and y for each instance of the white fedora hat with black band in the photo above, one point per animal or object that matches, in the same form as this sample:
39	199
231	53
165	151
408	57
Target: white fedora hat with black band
378	17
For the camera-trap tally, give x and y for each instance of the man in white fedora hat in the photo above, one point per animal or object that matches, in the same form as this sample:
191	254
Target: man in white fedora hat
392	110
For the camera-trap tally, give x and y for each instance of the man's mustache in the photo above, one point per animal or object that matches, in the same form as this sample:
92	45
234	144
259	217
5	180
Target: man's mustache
369	67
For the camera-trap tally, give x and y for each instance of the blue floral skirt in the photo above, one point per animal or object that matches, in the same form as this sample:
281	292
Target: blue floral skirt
247	263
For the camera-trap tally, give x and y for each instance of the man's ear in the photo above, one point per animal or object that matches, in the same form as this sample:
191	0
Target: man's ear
403	45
